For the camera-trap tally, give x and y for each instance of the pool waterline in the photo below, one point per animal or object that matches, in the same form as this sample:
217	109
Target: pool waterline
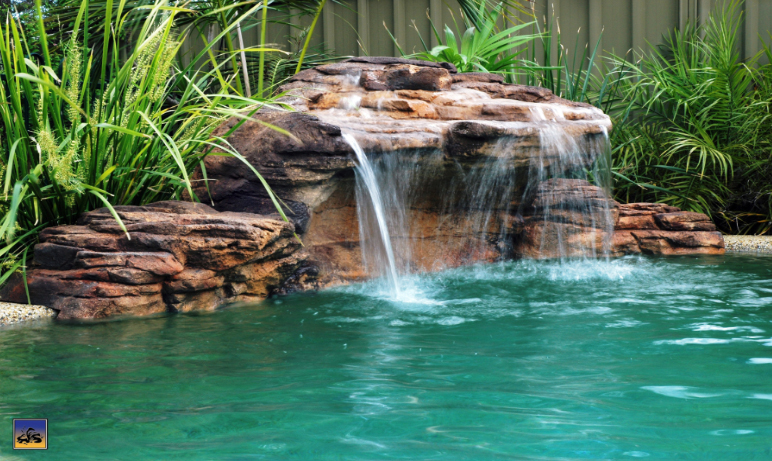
627	358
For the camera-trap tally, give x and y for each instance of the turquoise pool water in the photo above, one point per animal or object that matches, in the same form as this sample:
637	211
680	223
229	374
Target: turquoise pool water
633	358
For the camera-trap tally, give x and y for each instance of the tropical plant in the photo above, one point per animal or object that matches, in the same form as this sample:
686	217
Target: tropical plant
204	18
76	137
695	132
483	46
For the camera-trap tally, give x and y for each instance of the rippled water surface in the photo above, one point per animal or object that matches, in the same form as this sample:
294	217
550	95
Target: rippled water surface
633	358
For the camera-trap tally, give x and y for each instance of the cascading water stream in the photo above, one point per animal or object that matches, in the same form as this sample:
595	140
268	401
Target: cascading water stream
366	177
564	212
481	210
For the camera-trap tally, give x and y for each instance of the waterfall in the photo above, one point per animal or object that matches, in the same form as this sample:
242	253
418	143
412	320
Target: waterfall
576	220
477	206
370	202
483	208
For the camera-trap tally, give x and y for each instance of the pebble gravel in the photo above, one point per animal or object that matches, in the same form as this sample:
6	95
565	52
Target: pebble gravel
749	243
16	313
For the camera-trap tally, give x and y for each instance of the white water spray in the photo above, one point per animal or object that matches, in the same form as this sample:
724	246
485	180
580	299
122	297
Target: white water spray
368	179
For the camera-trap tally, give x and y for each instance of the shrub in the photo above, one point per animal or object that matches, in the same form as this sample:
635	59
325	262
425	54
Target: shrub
76	137
482	47
695	130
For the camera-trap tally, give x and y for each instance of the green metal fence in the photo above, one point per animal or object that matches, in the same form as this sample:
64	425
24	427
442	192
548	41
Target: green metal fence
357	27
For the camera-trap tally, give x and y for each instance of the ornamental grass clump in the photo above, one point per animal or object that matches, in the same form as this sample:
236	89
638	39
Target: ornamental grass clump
128	131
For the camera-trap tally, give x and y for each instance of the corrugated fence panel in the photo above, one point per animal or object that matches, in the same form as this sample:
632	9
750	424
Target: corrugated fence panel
661	17
356	27
617	20
764	26
381	12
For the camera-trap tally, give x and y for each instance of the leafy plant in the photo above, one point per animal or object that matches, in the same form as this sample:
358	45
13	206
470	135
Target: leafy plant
482	47
198	17
695	132
76	137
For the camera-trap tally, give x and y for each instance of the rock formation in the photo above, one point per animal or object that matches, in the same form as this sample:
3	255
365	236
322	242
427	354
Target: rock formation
471	151
567	218
178	257
657	229
453	123
571	217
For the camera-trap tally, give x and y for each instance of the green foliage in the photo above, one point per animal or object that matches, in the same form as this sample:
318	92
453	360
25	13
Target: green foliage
574	77
482	47
695	132
76	136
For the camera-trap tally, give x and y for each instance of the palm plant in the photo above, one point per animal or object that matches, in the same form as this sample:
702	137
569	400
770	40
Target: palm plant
127	132
577	77
695	121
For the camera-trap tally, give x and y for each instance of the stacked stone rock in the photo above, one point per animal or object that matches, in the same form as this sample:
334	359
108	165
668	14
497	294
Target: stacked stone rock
567	218
178	257
655	228
571	217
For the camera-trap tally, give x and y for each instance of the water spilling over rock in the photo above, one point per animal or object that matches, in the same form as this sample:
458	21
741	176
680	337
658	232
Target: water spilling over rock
457	158
373	225
393	167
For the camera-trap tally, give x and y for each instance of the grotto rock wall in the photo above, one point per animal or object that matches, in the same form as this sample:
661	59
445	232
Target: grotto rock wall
425	111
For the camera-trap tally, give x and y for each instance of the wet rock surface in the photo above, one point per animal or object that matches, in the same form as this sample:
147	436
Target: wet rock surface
658	229
178	257
453	123
571	218
567	218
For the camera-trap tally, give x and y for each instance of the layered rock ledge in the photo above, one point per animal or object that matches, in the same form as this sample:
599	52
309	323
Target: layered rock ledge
178	257
426	112
573	218
658	229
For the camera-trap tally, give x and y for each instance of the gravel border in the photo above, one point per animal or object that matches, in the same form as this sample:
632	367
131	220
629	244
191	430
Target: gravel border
749	243
17	313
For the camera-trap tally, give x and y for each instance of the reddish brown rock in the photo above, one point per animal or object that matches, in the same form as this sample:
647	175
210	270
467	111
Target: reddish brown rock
678	242
659	229
645	221
684	221
567	218
570	218
421	110
642	209
179	257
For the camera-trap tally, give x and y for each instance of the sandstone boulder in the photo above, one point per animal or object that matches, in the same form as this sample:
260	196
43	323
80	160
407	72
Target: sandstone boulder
658	229
178	257
573	218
